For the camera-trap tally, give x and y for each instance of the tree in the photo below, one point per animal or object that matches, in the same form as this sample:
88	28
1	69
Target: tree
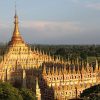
83	55
7	92
27	94
92	93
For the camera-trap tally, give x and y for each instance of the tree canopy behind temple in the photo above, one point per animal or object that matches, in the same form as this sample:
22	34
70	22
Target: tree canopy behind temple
8	92
92	93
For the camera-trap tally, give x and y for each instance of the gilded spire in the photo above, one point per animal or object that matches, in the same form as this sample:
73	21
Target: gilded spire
38	92
16	38
82	70
44	70
77	61
87	63
53	70
49	71
56	71
16	28
37	85
78	69
24	78
96	66
65	71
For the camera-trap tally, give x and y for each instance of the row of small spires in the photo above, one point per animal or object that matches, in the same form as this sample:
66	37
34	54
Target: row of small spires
36	50
73	61
69	68
58	57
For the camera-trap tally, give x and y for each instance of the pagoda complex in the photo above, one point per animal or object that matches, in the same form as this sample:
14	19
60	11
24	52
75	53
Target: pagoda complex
51	79
19	54
19	59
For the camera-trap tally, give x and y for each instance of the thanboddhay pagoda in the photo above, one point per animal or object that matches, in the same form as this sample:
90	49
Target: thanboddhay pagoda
51	79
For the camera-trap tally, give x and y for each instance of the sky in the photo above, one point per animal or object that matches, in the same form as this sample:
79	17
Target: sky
52	21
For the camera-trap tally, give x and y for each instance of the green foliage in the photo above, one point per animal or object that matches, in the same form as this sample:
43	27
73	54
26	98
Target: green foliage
92	93
8	92
82	51
27	94
83	55
61	52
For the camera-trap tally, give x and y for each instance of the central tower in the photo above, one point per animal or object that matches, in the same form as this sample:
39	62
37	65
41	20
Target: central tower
19	55
16	38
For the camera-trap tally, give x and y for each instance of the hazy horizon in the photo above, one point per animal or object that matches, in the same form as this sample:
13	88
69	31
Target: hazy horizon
52	22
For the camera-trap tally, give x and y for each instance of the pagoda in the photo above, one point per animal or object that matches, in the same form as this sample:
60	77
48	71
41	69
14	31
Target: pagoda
19	54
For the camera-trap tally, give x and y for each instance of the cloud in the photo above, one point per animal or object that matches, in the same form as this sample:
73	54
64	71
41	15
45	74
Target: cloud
55	32
51	26
88	4
51	32
94	6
